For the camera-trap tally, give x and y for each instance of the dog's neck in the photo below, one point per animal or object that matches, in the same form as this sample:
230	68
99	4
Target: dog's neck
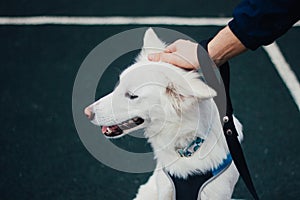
204	124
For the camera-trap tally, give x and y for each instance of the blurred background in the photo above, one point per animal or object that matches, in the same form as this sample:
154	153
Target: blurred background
41	155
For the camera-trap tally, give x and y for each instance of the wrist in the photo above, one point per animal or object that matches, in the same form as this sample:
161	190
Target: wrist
224	46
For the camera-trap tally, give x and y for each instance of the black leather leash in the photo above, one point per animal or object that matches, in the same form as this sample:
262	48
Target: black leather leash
229	129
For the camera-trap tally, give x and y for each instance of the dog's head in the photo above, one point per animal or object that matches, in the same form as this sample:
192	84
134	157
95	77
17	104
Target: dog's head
149	95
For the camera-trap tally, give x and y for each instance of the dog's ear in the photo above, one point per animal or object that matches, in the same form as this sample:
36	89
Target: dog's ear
152	44
195	87
192	90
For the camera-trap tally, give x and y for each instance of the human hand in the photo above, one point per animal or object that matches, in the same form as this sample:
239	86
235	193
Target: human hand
181	53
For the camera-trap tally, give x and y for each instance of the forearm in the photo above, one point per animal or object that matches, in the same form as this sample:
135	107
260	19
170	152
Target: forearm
224	46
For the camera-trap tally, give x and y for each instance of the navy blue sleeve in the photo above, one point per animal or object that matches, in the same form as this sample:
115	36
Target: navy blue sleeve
260	22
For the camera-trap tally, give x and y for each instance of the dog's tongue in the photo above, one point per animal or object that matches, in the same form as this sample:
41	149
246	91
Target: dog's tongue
111	129
104	128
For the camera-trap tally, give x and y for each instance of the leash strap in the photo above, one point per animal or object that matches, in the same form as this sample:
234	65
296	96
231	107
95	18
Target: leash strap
229	129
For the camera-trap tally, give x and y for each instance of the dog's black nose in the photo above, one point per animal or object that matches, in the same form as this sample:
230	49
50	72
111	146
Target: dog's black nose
89	113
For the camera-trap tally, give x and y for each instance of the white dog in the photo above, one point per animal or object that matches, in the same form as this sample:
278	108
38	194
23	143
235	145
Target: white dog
181	122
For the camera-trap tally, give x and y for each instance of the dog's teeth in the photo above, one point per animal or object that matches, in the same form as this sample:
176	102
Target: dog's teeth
130	121
108	130
135	119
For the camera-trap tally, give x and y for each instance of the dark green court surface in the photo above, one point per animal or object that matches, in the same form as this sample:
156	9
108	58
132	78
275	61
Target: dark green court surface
42	156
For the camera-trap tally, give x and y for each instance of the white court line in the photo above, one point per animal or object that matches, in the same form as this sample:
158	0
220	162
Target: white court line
118	20
67	20
283	68
285	71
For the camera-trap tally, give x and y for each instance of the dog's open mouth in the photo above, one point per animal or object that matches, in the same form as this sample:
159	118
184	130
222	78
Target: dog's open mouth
116	130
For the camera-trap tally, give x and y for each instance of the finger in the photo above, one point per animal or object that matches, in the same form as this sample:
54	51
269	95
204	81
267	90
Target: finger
164	57
171	48
176	60
154	57
168	58
173	59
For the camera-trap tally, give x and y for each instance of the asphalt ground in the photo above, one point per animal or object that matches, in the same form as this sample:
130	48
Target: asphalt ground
42	156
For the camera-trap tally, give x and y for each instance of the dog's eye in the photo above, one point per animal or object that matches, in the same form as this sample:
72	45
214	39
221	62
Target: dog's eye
131	95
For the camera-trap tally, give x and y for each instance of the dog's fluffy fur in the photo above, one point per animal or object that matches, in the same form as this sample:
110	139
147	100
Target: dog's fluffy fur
176	107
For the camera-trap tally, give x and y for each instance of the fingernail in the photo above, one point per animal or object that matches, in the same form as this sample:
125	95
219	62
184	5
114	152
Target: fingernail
151	57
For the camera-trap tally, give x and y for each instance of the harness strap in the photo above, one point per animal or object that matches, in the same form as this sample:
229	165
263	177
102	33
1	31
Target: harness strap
190	188
229	129
226	162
